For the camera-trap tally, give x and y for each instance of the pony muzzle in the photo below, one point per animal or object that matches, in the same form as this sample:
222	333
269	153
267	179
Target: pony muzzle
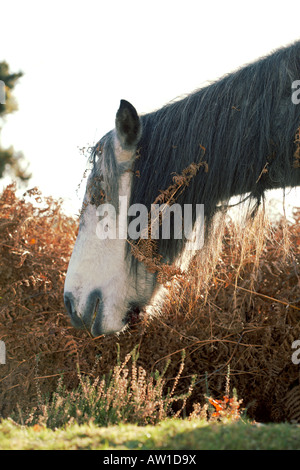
91	316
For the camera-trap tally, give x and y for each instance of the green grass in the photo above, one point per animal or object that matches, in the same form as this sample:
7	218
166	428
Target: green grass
167	435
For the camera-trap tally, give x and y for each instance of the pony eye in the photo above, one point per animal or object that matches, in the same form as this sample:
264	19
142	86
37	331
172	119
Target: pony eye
99	150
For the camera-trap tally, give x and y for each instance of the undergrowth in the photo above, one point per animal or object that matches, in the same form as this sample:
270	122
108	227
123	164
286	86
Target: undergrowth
236	305
127	395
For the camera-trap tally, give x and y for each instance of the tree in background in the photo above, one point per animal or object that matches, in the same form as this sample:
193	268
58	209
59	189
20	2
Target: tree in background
10	160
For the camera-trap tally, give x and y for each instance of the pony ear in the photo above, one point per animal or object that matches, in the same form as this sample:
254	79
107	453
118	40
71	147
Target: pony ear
128	125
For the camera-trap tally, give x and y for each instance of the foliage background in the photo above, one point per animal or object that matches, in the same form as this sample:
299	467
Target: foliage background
11	160
240	307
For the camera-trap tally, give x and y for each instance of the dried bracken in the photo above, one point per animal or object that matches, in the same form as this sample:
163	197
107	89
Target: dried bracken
237	307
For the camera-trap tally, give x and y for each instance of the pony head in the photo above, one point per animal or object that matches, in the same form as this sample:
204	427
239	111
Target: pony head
101	288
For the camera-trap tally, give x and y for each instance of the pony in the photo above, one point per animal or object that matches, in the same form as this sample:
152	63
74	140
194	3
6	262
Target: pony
236	137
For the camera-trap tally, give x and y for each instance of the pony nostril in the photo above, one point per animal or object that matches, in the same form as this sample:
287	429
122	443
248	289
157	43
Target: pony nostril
69	304
71	309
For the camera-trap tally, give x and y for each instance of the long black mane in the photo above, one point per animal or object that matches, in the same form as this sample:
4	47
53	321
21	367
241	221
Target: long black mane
246	122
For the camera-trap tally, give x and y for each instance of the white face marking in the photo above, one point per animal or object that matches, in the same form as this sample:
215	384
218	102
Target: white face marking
101	266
